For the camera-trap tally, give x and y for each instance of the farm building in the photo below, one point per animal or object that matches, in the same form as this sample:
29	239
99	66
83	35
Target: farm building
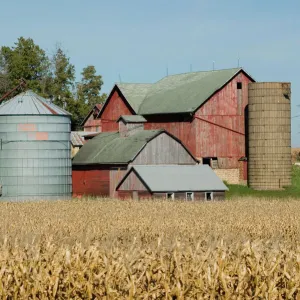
207	111
191	182
78	138
35	152
77	142
103	161
91	123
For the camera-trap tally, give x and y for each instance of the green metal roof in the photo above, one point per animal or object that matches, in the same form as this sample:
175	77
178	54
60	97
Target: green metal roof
182	93
110	148
134	93
133	119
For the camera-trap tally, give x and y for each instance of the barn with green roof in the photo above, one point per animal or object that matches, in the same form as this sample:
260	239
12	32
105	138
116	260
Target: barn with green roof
206	111
103	161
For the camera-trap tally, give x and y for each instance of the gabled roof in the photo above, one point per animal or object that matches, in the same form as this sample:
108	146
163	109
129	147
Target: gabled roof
29	103
132	119
177	178
110	148
134	93
98	106
181	93
184	92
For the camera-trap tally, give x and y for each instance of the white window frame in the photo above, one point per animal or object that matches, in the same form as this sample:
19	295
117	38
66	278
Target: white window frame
212	196
172	195
192	196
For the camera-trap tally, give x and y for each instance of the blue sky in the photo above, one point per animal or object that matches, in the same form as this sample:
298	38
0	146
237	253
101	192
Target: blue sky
139	39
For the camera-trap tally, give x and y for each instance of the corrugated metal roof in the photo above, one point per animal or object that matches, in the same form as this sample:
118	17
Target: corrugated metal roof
181	93
110	148
29	103
133	119
76	139
184	92
175	178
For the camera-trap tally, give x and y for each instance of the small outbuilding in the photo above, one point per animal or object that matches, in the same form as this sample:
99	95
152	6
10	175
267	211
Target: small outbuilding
77	142
78	139
185	182
102	162
91	123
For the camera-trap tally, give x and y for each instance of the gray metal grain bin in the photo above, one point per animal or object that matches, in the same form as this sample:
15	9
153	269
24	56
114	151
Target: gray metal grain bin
269	165
35	154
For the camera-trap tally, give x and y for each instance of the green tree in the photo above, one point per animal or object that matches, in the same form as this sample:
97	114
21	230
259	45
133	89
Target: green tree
90	87
62	85
25	60
51	78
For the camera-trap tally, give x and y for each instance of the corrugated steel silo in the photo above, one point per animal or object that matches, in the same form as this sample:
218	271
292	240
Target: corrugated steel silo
269	135
35	153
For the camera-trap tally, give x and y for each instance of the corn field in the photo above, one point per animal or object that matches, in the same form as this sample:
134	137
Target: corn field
106	249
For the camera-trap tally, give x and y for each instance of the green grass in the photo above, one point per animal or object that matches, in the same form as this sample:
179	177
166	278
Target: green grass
293	191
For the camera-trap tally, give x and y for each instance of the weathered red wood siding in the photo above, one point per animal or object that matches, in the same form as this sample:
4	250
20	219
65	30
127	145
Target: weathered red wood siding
125	195
184	130
90	181
129	195
115	108
220	126
92	125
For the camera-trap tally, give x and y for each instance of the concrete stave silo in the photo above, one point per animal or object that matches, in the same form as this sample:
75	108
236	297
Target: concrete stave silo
35	160
269	119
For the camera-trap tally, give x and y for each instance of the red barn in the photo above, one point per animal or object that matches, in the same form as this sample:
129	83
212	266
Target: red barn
103	161
91	123
207	111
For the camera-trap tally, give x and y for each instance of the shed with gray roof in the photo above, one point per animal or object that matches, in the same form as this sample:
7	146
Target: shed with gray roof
191	182
103	161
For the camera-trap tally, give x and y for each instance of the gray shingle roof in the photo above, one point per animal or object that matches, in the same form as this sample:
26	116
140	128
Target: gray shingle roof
110	148
176	178
29	103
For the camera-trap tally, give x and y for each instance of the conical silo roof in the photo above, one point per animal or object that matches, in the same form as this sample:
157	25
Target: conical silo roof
29	103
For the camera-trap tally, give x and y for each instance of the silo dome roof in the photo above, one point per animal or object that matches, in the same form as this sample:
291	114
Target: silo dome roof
29	103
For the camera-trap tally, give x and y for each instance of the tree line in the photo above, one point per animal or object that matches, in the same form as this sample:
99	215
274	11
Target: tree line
51	76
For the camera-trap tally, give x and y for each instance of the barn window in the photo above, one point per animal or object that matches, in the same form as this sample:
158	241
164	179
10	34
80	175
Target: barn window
190	196
206	161
95	113
170	196
239	85
209	196
211	161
